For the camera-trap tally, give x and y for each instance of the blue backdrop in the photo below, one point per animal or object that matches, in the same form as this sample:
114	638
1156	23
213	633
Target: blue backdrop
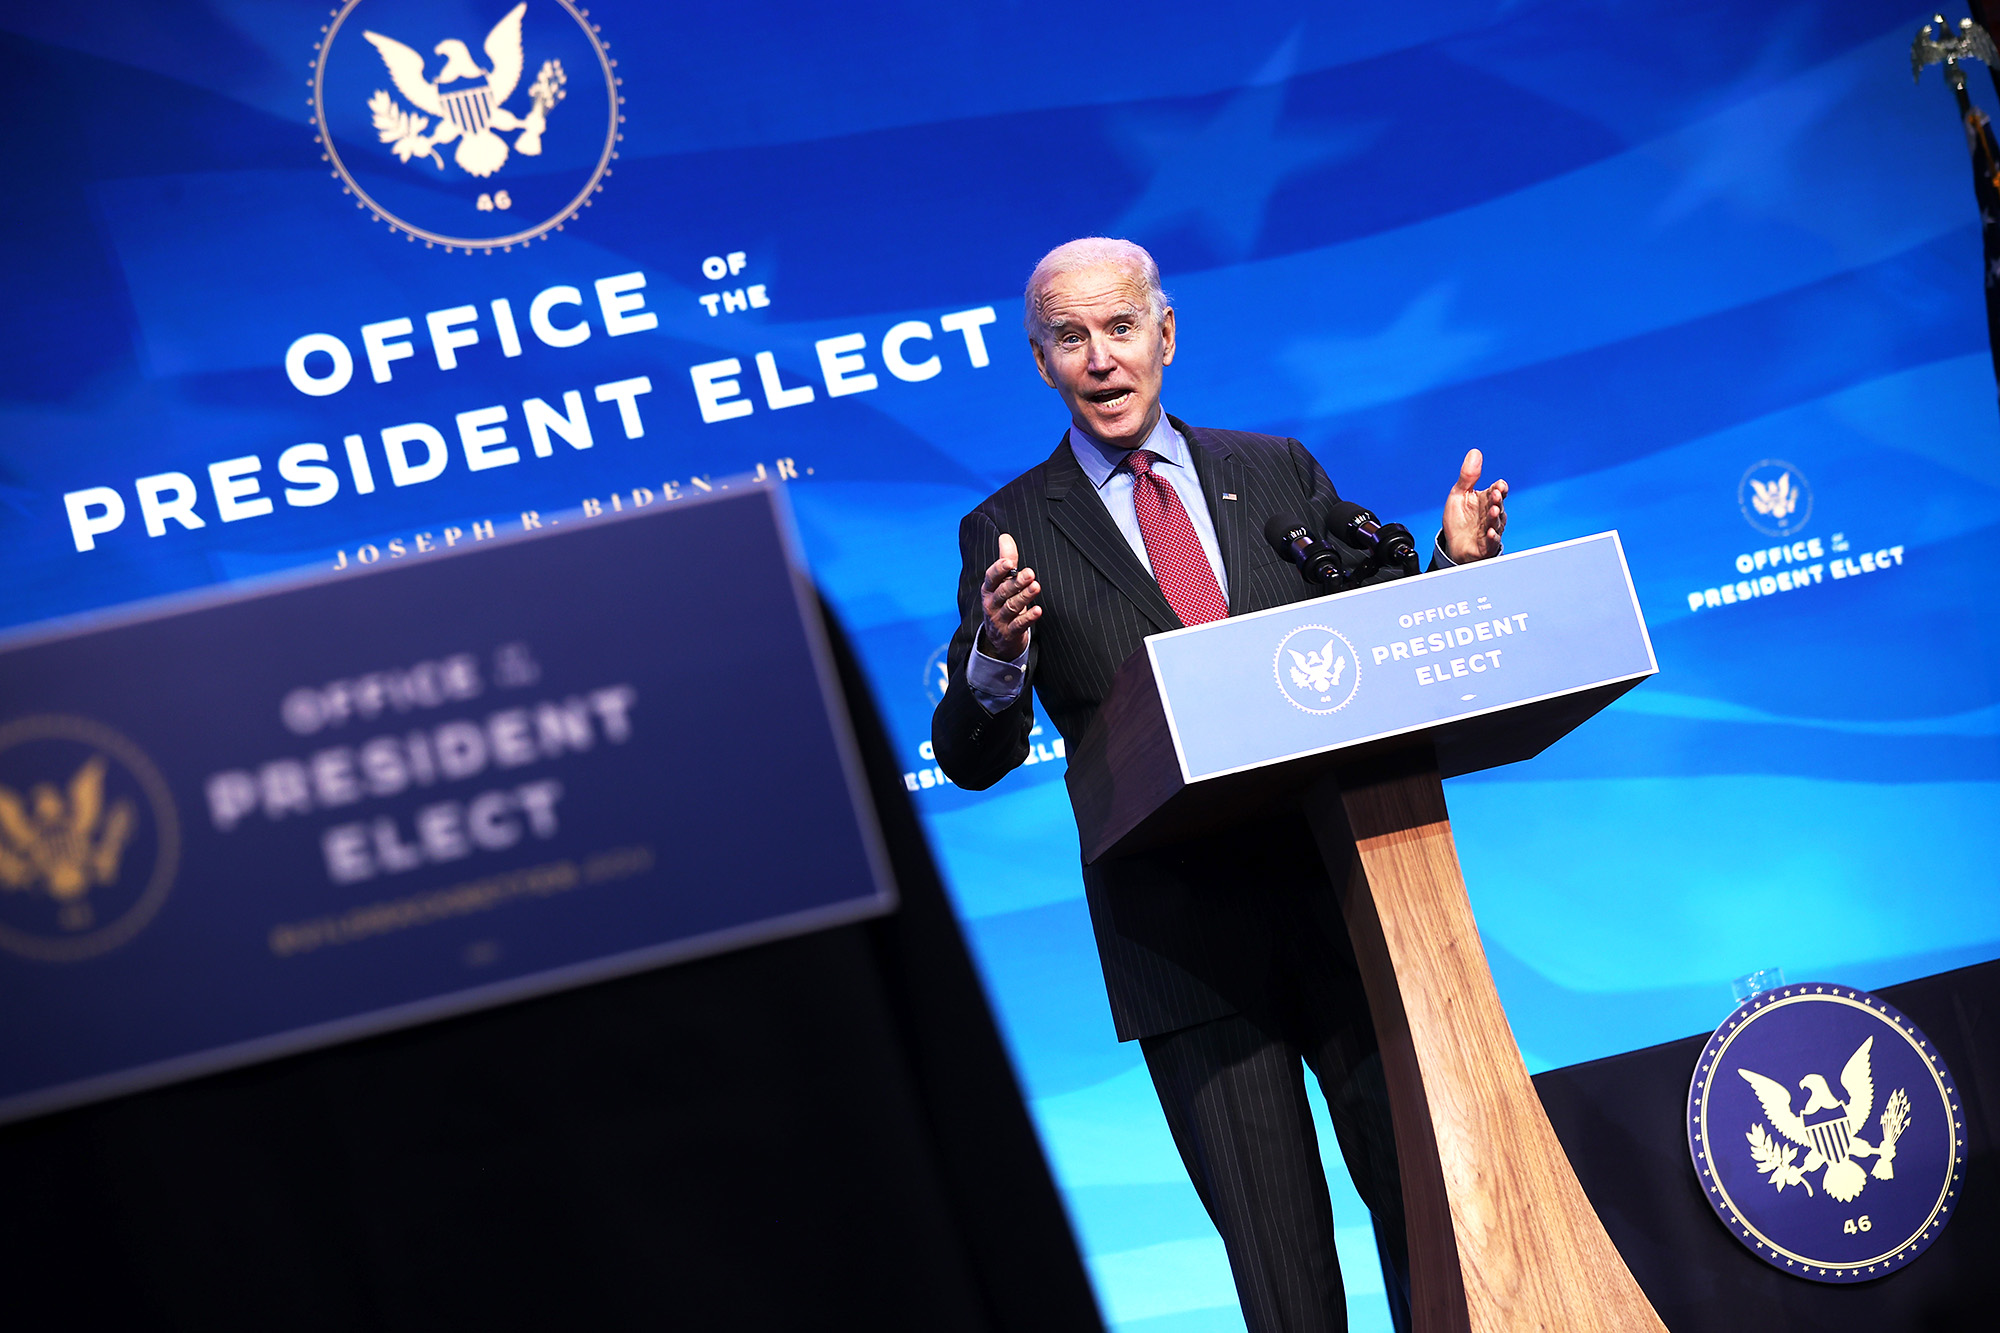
1706	273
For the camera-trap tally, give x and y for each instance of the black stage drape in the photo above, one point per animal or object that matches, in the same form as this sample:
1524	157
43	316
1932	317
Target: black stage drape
821	1132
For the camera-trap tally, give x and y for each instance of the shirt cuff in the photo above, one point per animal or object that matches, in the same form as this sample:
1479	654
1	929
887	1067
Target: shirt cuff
1443	557
994	683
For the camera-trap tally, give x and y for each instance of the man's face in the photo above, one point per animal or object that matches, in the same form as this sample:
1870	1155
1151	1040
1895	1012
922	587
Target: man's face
1104	353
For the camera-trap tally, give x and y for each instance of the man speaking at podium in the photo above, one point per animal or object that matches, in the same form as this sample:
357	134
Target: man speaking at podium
1225	957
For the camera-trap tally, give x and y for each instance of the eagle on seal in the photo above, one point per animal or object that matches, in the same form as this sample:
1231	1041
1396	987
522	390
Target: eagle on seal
467	100
1828	1128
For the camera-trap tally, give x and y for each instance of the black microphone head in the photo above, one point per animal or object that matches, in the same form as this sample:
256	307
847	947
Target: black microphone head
1319	563
1400	546
1282	532
1347	514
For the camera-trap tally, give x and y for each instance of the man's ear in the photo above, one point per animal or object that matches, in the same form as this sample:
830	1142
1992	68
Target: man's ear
1041	362
1167	336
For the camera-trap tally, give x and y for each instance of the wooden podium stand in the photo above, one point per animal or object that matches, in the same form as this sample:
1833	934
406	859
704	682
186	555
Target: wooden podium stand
1193	738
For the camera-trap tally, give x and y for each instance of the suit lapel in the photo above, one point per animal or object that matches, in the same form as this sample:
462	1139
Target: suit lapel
1222	473
1078	511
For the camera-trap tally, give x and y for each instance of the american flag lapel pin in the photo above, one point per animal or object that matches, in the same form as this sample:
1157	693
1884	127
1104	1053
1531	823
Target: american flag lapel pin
1229	495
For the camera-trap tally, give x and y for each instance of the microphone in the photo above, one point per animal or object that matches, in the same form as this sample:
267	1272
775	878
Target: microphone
1319	564
1390	542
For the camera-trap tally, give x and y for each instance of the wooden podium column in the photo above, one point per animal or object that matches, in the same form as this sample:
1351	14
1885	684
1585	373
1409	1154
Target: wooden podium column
1501	1235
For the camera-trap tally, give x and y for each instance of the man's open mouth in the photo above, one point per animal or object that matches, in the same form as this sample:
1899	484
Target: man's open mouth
1111	397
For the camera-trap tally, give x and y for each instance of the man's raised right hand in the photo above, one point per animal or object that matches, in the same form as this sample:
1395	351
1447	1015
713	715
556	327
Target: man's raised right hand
1007	597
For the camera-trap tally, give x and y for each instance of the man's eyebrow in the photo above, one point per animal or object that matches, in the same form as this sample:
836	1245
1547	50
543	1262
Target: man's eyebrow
1128	315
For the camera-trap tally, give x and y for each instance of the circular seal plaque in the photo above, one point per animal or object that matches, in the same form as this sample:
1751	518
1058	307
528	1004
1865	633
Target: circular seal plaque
1826	1133
1775	497
89	839
1317	669
476	126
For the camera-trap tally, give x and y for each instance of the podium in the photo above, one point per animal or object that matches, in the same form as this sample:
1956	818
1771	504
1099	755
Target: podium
1353	708
819	1114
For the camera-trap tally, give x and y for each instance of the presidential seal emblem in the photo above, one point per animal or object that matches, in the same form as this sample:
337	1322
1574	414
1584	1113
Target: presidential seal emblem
1826	1132
1317	669
89	840
469	151
1774	497
937	674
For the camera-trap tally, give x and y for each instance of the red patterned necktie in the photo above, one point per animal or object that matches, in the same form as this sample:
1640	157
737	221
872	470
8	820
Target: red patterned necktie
1179	563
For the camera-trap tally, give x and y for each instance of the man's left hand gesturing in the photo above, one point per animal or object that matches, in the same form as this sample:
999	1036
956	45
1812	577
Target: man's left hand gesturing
1474	519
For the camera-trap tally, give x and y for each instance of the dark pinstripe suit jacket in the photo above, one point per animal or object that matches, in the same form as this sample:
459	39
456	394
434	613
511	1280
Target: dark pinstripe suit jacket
1204	928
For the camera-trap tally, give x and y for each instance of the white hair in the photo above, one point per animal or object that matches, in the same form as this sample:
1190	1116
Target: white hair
1092	252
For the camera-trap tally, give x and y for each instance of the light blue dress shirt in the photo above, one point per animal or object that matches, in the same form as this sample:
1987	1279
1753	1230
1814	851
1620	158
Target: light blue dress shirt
997	684
1114	486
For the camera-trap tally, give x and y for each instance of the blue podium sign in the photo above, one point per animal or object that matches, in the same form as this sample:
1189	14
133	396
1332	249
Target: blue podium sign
248	826
1400	657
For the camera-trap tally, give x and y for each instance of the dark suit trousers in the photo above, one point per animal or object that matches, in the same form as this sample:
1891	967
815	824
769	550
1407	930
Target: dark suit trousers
1235	1100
